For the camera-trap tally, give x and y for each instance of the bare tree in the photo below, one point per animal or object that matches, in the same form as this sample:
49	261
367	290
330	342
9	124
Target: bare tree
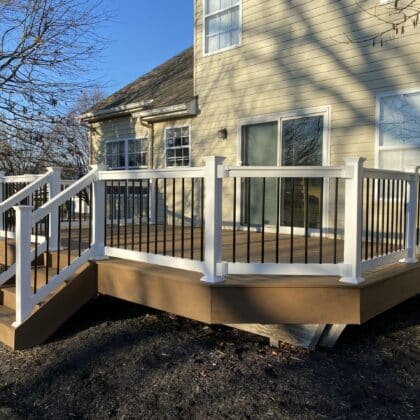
46	46
390	20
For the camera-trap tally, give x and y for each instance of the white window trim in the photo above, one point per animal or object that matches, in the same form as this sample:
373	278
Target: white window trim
126	140
189	145
231	47
279	117
378	147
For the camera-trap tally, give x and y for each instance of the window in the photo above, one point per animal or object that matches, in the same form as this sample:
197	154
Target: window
177	146
127	154
222	24
399	131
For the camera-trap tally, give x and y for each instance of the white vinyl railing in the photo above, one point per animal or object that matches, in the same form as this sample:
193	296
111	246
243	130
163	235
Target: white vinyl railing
355	233
30	185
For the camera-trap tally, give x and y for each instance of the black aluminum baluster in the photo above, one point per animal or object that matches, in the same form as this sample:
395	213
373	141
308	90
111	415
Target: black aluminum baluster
335	220
192	220
173	216
248	239
125	212
165	213
367	220
372	233
69	206
112	213
278	221
156	214
292	220
202	221
306	216
79	195
321	222
234	220
133	209
148	216
182	216
263	221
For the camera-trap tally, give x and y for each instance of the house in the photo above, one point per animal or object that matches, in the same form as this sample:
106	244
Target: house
264	178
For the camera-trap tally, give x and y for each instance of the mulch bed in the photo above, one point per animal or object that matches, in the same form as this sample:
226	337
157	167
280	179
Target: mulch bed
115	359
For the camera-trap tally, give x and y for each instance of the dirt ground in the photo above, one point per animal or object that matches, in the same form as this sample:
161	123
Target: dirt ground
115	359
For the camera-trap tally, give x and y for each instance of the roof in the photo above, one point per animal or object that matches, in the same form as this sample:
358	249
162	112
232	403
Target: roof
171	83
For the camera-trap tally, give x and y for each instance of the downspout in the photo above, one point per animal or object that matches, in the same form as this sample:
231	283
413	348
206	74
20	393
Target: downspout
151	127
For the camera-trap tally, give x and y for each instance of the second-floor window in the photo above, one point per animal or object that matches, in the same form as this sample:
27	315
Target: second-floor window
222	24
399	130
126	154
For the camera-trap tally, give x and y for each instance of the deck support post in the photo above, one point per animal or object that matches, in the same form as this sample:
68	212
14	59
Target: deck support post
353	220
55	189
23	263
98	216
213	220
411	217
2	174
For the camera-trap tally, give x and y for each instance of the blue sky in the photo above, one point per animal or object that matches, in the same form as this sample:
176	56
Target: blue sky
142	34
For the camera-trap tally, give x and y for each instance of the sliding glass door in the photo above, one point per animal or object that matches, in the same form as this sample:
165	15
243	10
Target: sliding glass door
293	141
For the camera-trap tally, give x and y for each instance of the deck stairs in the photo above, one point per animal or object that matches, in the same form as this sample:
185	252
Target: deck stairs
50	314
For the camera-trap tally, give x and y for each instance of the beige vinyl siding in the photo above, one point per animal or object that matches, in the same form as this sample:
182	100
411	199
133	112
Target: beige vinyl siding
290	59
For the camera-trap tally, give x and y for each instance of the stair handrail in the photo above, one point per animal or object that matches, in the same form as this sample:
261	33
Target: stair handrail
51	177
27	191
26	219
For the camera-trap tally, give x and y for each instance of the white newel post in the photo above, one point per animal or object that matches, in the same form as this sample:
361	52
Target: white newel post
212	220
353	220
55	189
411	216
98	216
2	174
23	263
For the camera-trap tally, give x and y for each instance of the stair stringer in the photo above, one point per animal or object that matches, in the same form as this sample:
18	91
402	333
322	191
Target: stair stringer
58	308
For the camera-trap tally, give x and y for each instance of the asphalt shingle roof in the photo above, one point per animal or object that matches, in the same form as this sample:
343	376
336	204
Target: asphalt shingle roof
171	83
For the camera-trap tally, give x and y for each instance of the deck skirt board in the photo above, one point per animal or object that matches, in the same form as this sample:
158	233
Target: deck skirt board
258	299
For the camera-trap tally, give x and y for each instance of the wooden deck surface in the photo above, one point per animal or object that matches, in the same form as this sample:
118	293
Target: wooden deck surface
188	244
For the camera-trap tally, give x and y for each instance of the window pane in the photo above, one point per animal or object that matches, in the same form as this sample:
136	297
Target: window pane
215	5
302	141
212	43
400	120
399	160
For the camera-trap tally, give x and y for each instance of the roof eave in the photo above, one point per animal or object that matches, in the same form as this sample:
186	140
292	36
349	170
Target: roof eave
188	109
118	111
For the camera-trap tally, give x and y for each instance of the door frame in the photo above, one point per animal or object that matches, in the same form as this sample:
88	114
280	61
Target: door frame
279	117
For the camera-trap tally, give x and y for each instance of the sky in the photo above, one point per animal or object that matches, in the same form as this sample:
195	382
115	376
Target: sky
141	35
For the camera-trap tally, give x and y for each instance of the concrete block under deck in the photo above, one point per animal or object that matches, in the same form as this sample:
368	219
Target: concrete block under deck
262	299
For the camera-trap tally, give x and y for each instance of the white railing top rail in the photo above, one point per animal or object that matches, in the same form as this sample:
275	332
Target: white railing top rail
283	172
389	174
68	181
64	196
167	173
25	192
16	179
